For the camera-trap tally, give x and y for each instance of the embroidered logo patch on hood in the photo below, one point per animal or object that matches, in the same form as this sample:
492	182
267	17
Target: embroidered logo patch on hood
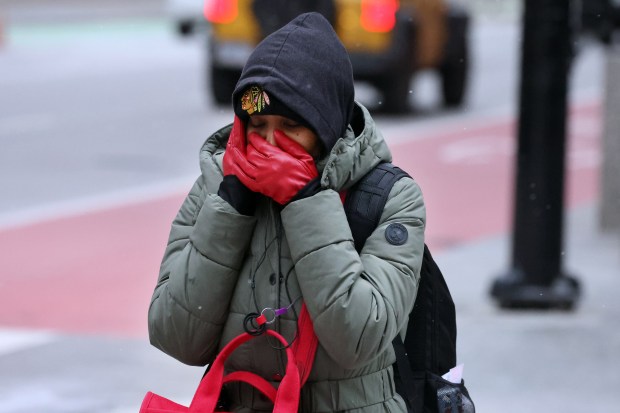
255	99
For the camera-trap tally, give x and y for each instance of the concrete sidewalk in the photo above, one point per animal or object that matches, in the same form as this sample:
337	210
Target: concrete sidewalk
541	361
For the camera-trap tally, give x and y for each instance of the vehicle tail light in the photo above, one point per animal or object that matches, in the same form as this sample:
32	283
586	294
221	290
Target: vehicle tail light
379	15
220	11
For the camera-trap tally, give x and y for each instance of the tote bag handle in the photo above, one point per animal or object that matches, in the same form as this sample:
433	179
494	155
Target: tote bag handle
285	399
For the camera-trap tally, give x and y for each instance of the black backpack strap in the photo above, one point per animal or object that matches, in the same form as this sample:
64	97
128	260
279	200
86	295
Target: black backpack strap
432	348
366	199
407	384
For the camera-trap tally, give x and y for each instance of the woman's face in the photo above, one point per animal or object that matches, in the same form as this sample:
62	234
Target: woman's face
264	125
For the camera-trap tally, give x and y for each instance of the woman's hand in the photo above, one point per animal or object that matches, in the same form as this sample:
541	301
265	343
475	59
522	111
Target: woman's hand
235	161
278	172
233	188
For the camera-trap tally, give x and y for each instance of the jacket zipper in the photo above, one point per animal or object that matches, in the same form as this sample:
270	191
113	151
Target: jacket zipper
277	220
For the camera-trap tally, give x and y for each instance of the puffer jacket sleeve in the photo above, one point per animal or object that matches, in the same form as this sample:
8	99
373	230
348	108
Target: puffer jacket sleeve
208	241
358	302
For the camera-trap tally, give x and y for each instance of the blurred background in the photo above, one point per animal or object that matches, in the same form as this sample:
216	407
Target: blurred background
104	106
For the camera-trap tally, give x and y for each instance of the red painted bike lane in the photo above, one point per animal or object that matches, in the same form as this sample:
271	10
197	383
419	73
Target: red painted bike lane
467	175
94	272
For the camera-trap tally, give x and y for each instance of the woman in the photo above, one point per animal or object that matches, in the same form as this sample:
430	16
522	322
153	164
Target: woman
264	227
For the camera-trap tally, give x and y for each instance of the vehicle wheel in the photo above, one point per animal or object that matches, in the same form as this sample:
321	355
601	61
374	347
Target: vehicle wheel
454	74
185	28
395	91
223	82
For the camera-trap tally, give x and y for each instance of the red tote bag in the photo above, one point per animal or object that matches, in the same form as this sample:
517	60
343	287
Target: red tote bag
285	398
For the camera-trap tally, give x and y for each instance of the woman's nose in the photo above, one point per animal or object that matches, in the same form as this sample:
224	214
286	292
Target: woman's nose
269	136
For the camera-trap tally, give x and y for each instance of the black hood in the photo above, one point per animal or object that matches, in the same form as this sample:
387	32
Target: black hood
307	69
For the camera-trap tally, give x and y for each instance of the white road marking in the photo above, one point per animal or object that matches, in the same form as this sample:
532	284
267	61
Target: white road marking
12	340
100	202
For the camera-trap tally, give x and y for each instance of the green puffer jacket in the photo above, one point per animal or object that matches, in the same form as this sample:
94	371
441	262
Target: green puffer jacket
220	265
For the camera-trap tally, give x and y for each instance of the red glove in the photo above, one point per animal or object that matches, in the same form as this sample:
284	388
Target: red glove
278	172
235	161
233	189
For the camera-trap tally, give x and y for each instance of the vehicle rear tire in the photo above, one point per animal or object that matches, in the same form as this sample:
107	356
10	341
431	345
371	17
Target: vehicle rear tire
454	81
223	82
454	70
185	28
395	92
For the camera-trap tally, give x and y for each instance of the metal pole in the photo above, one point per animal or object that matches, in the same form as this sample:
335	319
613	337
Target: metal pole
536	279
610	169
